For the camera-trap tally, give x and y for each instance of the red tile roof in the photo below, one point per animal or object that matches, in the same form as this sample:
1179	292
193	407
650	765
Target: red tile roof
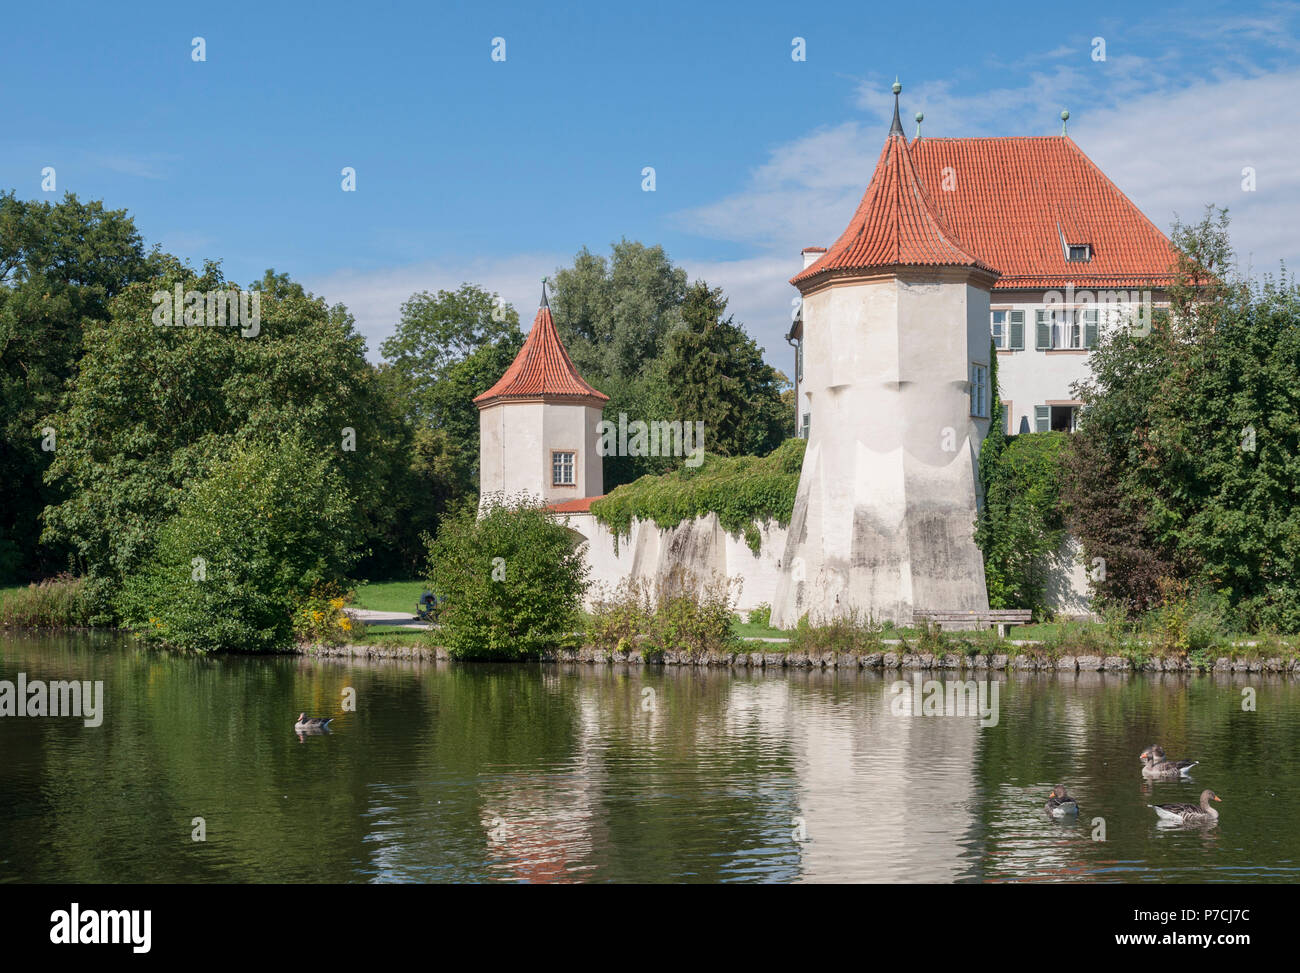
1013	199
580	505
896	224
542	369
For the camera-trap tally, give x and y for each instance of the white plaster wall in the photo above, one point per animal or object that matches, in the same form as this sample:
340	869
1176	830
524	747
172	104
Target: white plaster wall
515	444
700	546
1032	377
511	438
884	516
1067	582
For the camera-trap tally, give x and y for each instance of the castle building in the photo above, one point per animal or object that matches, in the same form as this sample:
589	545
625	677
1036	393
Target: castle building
958	246
538	424
960	250
1075	256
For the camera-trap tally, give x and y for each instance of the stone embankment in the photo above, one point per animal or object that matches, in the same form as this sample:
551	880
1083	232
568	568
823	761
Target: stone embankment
841	660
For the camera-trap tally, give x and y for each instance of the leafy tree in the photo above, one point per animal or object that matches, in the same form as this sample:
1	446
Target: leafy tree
60	263
614	315
439	331
265	525
512	577
152	406
663	350
451	401
711	370
1186	468
448	348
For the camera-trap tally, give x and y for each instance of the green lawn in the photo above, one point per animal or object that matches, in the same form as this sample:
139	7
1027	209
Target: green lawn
389	596
750	630
393	635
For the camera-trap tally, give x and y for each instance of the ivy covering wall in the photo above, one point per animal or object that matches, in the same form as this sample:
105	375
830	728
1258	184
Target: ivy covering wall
744	491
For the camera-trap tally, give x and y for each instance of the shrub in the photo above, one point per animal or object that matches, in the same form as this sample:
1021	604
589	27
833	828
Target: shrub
851	633
679	614
1020	528
60	602
761	615
265	526
513	580
320	618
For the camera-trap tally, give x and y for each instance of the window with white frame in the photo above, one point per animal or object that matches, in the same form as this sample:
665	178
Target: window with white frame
1044	329
1066	328
1091	326
562	464
979	390
1015	330
999	323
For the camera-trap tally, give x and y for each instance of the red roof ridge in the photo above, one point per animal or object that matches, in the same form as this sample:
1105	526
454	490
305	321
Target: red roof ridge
542	369
1017	196
896	224
578	505
1105	178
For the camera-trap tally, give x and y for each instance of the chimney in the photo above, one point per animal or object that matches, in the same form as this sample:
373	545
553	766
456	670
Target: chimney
811	255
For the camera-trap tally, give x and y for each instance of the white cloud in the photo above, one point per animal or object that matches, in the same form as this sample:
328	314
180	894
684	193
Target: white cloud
375	297
1171	149
1172	153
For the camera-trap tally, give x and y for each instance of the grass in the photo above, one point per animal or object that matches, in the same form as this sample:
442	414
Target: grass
389	596
396	635
754	630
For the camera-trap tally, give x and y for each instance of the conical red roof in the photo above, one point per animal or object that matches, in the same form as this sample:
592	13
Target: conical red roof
896	224
542	369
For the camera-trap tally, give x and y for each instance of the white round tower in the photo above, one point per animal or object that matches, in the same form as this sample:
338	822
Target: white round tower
896	366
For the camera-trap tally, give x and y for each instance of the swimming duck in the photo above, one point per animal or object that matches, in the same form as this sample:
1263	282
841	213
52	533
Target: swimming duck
1155	764
1189	813
311	723
1059	803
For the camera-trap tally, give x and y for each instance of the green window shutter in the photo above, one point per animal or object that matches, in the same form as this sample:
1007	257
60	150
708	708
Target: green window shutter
1017	340
1044	330
1090	327
1042	418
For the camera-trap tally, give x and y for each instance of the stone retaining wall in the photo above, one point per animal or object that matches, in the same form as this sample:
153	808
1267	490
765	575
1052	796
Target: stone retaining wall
832	660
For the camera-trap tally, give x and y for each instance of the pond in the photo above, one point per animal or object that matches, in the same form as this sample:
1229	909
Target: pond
548	773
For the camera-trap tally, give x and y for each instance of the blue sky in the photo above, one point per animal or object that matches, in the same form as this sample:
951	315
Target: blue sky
497	172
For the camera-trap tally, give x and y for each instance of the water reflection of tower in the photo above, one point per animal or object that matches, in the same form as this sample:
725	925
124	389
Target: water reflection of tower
882	797
539	821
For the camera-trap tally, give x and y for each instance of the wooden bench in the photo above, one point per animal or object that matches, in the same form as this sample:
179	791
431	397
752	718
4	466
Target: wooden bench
960	619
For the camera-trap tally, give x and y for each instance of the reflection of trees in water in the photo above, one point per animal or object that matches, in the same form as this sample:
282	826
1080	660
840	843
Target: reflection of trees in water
591	785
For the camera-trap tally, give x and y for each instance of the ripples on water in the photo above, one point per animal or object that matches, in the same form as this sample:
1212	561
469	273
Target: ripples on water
576	774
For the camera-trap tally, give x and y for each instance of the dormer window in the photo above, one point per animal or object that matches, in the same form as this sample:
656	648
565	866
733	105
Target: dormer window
1079	252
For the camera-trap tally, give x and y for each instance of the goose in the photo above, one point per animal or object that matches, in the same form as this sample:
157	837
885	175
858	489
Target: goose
1059	803
306	723
1189	813
1155	764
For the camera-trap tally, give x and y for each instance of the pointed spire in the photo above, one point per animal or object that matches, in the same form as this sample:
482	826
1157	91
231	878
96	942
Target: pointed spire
897	127
896	224
545	302
543	369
